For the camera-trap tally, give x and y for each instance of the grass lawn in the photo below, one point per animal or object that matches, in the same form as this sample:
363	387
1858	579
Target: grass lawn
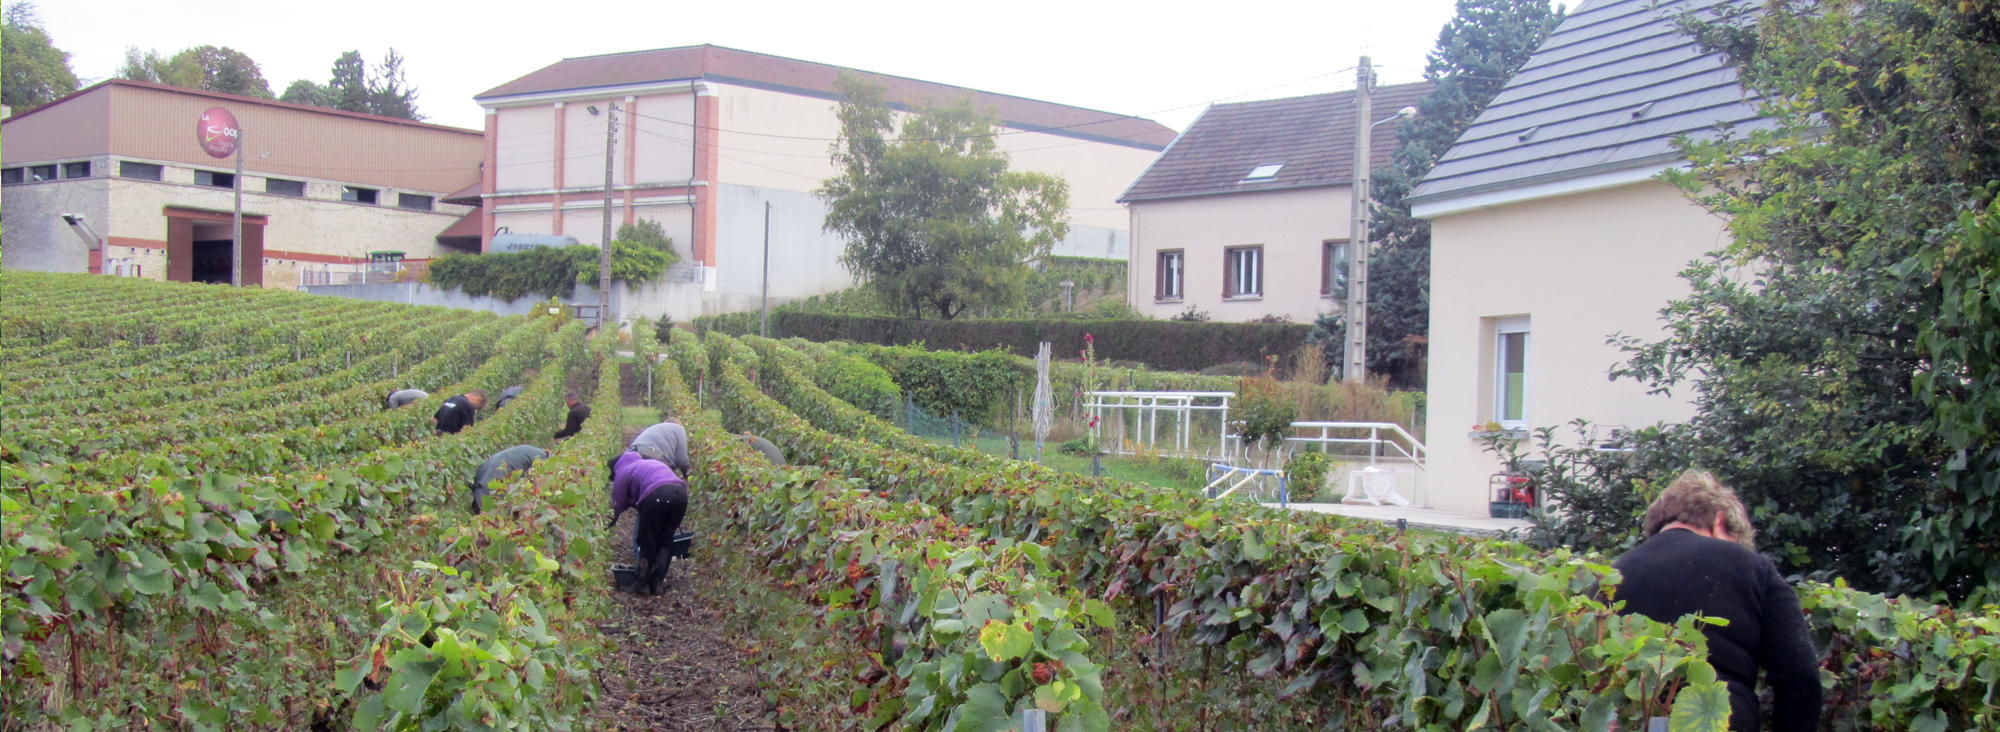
1158	473
638	416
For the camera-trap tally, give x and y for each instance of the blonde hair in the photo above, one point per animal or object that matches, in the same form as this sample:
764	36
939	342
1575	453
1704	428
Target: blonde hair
1695	498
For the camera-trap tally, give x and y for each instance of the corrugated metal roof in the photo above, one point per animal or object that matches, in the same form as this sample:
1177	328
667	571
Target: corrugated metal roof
1312	136
1580	105
747	68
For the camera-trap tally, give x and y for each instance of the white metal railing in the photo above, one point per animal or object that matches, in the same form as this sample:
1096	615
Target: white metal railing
1146	407
1224	472
361	273
1400	442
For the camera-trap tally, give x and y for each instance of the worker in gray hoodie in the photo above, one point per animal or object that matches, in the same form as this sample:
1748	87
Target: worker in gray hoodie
503	463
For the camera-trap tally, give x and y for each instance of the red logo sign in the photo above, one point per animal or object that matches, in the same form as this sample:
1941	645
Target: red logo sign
217	132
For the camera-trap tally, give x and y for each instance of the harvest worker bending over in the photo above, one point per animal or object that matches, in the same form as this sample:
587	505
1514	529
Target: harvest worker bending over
459	412
507	395
578	412
640	480
502	464
670	440
1697	558
771	451
404	397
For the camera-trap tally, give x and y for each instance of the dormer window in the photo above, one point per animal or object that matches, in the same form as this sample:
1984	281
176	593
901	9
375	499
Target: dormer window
1263	173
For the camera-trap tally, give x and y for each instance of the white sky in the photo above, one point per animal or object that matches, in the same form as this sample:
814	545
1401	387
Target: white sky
1122	57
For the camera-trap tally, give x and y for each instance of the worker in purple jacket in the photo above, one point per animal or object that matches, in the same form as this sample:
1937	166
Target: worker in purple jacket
639	479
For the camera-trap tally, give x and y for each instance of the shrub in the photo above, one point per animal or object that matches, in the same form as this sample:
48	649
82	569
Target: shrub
861	383
1161	344
1263	416
1307	472
971	385
547	270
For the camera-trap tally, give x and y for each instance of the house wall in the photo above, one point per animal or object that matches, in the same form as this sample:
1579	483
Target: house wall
1580	267
1292	226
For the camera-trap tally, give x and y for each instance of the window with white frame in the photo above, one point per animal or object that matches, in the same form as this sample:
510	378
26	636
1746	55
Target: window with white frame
1172	275
1510	370
1243	274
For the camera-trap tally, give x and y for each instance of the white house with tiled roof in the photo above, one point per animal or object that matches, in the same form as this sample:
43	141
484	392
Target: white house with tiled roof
1247	215
710	136
1551	232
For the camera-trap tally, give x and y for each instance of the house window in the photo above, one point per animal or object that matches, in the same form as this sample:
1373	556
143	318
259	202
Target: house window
13	176
1262	173
414	201
214	179
358	194
1333	269
1510	367
1244	272
79	169
141	171
282	187
42	172
1170	275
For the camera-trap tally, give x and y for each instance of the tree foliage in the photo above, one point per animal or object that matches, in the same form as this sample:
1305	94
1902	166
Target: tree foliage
209	68
1840	351
935	220
353	88
33	71
1482	47
639	254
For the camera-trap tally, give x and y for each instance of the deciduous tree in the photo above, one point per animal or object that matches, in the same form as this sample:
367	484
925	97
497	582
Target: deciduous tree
32	70
935	220
210	68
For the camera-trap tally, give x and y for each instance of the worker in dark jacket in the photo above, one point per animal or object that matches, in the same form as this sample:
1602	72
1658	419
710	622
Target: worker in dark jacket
404	397
459	412
507	395
503	463
661	497
578	413
1697	558
770	450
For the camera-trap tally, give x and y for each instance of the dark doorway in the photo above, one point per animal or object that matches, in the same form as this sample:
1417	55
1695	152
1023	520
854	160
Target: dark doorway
211	262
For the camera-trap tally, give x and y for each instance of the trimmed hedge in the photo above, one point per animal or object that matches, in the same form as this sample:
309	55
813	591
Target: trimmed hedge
1160	344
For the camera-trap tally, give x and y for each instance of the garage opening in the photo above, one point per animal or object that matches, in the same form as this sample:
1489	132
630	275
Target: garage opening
198	246
211	253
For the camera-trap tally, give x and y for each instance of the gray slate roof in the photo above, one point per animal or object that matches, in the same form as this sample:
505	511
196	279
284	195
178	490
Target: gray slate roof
1584	96
1312	135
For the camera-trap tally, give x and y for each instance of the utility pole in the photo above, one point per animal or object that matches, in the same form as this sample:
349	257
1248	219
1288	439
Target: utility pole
1355	370
764	309
604	256
236	219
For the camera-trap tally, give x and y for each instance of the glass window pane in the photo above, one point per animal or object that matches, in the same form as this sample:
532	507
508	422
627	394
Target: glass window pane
1513	376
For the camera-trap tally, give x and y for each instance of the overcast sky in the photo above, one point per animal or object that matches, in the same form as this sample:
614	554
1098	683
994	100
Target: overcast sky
1160	60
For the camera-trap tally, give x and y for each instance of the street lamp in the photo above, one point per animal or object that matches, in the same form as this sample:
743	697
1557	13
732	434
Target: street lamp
1354	369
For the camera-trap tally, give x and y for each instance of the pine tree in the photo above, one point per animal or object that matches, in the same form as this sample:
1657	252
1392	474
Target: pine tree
389	93
348	90
1482	47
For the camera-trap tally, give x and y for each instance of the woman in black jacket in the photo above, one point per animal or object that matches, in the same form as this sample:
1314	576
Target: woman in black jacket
1699	557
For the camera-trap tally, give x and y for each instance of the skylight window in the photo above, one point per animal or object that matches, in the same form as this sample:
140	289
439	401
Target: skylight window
1262	173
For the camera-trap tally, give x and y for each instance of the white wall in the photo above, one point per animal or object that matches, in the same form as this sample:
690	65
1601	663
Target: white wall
1292	226
523	149
1581	267
35	237
805	260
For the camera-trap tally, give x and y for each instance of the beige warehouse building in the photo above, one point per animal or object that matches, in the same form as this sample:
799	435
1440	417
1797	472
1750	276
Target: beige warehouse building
323	190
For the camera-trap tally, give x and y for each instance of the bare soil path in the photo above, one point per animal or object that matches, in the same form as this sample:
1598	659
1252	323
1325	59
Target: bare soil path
677	666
